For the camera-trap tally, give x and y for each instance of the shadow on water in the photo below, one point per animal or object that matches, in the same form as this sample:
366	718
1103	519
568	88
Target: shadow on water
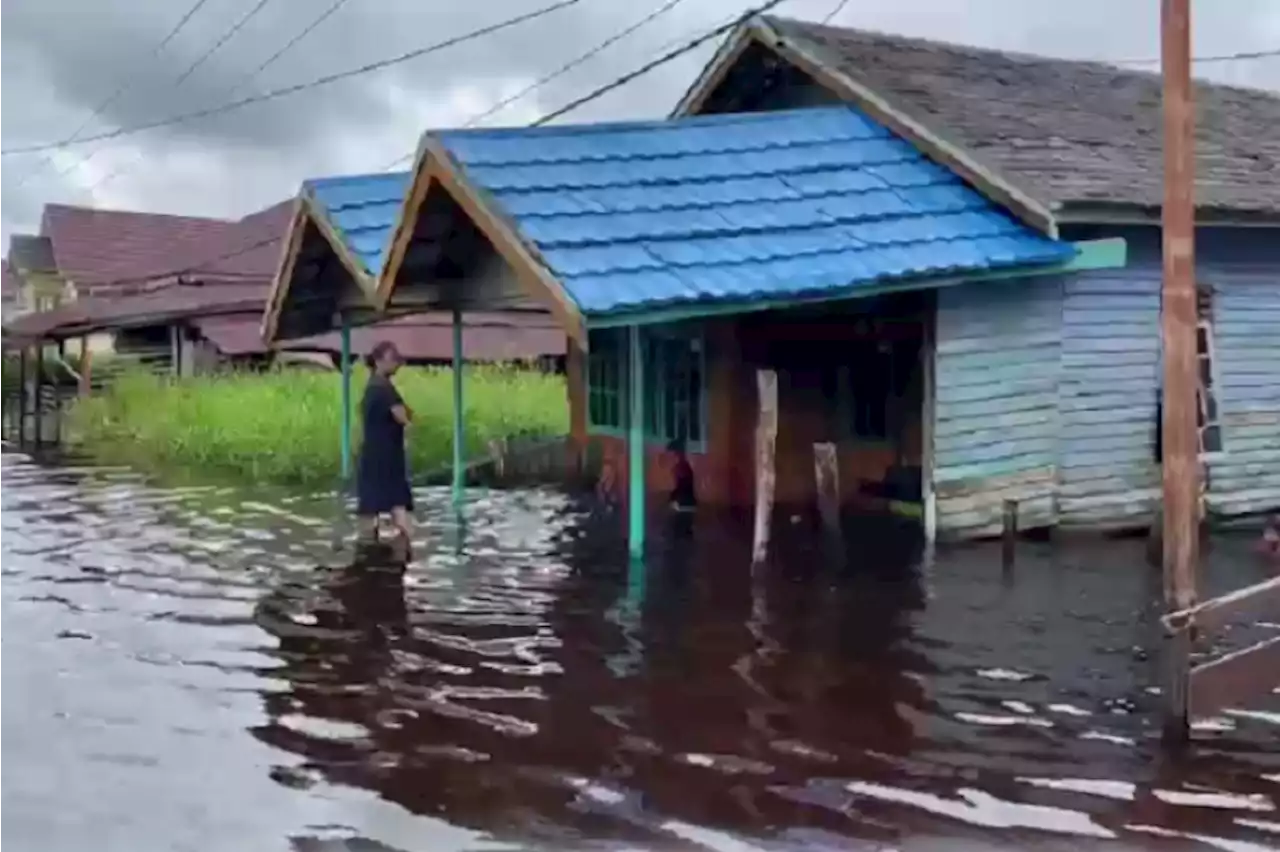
188	669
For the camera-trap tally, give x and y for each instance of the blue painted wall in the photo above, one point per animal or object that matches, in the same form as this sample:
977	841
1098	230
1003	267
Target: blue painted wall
1046	389
999	349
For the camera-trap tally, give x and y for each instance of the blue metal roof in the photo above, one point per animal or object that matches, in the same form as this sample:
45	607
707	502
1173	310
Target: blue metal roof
771	205
363	209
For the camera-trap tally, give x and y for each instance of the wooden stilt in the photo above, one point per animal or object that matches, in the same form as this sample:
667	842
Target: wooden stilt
826	471
636	446
1009	535
766	437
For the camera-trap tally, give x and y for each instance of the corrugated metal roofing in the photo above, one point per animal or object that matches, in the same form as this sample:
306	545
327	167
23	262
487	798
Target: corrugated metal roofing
737	207
363	209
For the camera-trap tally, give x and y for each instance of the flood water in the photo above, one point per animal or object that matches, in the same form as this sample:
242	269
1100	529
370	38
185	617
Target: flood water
182	672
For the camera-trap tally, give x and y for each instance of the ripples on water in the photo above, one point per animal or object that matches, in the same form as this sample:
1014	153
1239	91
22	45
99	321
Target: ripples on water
181	675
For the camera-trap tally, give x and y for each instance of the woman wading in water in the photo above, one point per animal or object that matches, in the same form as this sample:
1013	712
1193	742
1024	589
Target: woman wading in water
382	478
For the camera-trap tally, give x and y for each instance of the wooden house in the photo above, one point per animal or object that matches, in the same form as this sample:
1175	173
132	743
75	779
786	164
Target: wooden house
1068	420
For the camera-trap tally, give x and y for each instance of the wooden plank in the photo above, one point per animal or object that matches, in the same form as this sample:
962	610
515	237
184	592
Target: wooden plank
1234	679
284	274
766	476
1251	602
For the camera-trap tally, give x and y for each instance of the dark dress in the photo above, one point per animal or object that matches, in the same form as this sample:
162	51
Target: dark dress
382	478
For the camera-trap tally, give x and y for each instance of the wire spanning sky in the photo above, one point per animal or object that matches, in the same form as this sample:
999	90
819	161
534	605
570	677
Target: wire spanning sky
62	58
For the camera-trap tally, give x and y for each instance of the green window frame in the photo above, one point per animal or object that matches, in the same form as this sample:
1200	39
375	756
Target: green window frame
675	375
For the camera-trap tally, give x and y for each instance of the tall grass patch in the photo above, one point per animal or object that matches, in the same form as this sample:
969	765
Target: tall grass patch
284	426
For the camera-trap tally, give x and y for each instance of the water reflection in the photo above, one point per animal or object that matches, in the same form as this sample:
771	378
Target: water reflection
524	685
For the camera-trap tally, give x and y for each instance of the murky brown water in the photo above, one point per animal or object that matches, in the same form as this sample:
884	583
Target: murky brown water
181	675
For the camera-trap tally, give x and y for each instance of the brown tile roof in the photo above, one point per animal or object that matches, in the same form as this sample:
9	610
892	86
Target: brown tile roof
507	336
160	306
116	250
1065	132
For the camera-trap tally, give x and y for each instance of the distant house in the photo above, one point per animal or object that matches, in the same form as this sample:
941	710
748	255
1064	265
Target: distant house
39	286
11	292
188	294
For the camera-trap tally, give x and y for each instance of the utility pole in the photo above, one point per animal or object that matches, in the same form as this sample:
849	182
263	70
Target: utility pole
1179	427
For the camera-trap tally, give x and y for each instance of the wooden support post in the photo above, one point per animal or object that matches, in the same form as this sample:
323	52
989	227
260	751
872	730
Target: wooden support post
575	368
57	391
1009	540
766	437
22	396
38	411
86	366
826	471
1180	441
4	398
345	357
459	463
636	446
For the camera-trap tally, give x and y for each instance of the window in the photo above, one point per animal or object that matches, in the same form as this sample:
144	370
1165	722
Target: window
1208	414
675	398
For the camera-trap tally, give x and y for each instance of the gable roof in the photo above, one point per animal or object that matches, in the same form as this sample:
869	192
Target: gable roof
31	253
362	211
1071	135
107	250
763	207
12	284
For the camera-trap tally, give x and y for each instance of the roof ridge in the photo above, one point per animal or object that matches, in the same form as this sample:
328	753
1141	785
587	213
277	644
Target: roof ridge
1022	55
114	211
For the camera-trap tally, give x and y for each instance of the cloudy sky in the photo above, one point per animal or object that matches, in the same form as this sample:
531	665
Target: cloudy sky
62	58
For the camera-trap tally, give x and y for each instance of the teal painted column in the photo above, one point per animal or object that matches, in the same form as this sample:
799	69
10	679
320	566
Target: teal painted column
635	446
459	472
346	402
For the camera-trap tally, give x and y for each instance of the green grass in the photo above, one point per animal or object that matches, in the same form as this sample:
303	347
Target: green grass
284	426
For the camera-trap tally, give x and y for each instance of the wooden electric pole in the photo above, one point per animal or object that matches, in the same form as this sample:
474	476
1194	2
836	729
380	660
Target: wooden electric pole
1179	427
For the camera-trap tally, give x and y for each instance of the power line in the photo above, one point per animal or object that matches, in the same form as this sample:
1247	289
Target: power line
831	16
114	96
250	77
655	63
285	91
182	77
666	57
225	37
1225	57
559	72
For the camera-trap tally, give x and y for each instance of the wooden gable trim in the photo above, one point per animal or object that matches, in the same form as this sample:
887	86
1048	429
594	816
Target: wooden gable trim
283	279
826	73
436	167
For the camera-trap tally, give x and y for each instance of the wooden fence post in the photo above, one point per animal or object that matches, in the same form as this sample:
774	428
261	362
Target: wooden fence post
766	479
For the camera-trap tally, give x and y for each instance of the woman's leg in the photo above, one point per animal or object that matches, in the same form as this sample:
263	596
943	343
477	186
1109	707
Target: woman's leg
401	518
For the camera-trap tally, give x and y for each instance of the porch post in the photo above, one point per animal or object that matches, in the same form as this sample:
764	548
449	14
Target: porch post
22	396
38	412
4	397
459	472
345	357
635	446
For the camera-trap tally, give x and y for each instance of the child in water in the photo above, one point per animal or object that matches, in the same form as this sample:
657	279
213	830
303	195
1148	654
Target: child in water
684	497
